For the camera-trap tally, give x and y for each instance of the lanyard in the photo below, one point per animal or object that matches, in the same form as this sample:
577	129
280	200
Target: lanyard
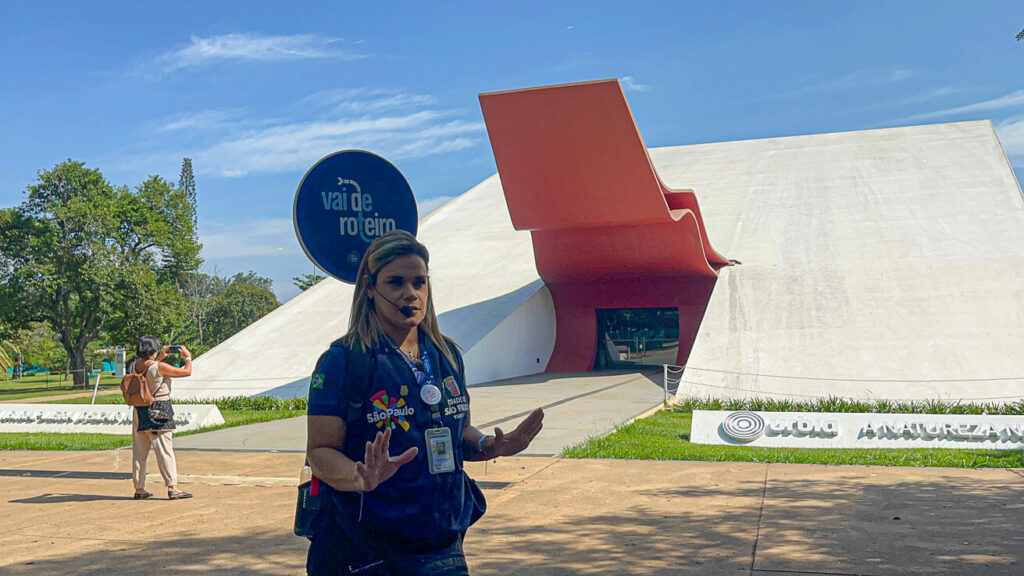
424	378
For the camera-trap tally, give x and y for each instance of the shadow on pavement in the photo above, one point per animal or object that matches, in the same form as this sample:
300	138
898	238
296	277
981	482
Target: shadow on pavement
954	526
258	553
580	517
58	498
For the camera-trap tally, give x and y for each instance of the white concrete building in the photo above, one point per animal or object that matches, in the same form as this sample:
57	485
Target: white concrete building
883	264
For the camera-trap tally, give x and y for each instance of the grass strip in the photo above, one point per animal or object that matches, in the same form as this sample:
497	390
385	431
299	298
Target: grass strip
259	403
846	405
61	392
81	441
666	436
51	384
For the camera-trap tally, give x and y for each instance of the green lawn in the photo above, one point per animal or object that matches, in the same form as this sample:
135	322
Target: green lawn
100	399
51	385
666	436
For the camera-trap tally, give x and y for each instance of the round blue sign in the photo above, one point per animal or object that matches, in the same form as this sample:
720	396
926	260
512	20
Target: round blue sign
346	201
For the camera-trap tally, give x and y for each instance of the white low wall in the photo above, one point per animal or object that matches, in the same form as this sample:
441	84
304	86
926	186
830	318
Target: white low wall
843	430
96	419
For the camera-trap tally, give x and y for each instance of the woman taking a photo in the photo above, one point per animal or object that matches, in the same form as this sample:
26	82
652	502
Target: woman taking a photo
152	425
389	429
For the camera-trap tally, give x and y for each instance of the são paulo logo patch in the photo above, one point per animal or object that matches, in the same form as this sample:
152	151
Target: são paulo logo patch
389	412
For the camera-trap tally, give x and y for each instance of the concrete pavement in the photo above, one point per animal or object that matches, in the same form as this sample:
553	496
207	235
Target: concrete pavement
576	406
71	513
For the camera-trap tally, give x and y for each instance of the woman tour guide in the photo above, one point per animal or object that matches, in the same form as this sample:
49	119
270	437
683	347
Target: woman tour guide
389	429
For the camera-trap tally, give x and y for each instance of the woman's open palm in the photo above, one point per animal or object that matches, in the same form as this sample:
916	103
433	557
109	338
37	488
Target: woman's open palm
378	465
517	440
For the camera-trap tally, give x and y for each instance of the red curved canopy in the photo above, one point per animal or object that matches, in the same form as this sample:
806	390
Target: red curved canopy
607	233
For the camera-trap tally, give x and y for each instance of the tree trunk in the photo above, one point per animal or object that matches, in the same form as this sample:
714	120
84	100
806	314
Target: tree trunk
78	367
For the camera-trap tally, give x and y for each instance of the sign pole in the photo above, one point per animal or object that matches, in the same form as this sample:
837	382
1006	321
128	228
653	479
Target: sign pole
96	387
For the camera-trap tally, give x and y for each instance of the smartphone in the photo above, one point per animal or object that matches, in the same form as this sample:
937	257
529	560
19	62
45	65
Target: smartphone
174	349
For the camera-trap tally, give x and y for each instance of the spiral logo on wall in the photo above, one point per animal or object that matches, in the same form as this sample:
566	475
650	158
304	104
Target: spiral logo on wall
743	426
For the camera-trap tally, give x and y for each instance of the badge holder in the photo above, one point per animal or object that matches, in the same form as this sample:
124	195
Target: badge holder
440	448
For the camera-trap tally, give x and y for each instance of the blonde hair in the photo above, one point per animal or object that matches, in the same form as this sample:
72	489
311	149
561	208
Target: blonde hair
364	326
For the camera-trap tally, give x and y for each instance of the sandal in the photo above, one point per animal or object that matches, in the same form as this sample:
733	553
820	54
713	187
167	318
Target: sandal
178	495
142	495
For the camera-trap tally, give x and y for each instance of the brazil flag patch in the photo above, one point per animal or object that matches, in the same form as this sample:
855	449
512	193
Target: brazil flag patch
317	381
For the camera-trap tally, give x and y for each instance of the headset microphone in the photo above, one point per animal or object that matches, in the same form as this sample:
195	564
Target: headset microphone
406	311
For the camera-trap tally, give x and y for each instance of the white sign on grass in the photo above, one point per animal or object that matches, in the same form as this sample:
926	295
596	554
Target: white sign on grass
844	430
96	419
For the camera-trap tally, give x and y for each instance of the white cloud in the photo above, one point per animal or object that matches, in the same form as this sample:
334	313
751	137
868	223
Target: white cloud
1011	134
295	146
199	121
428	205
915	99
931	94
1008	101
859	79
233	143
366	100
257	237
632	84
252	47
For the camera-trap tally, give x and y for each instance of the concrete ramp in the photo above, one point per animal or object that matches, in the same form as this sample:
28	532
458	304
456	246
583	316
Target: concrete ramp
487	295
876	264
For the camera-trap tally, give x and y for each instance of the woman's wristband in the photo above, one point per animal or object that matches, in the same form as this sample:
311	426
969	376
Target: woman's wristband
480	444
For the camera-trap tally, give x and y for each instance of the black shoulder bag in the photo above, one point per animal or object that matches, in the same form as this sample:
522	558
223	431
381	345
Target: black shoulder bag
311	509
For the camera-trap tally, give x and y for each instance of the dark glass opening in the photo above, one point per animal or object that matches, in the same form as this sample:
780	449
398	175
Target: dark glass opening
634	337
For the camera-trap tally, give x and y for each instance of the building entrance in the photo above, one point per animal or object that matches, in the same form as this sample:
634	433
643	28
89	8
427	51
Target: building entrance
635	337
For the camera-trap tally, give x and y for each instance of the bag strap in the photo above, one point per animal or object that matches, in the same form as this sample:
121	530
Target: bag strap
360	366
135	365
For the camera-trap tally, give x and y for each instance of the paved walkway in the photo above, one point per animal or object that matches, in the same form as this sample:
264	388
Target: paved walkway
71	513
576	407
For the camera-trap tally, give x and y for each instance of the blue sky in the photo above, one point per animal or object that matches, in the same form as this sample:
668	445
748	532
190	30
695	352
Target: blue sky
256	92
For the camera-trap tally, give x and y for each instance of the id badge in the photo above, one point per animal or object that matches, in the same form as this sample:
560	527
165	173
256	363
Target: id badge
440	450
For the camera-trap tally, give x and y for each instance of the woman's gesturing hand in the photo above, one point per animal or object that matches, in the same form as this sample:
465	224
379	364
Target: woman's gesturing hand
517	440
377	465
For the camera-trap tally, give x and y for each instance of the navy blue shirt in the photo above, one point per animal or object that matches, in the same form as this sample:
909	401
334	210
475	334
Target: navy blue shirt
414	511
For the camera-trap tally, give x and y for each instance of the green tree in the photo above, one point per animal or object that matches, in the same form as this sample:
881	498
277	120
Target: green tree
9	350
239	306
8	358
86	257
40	345
200	292
307	281
187	181
253	278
